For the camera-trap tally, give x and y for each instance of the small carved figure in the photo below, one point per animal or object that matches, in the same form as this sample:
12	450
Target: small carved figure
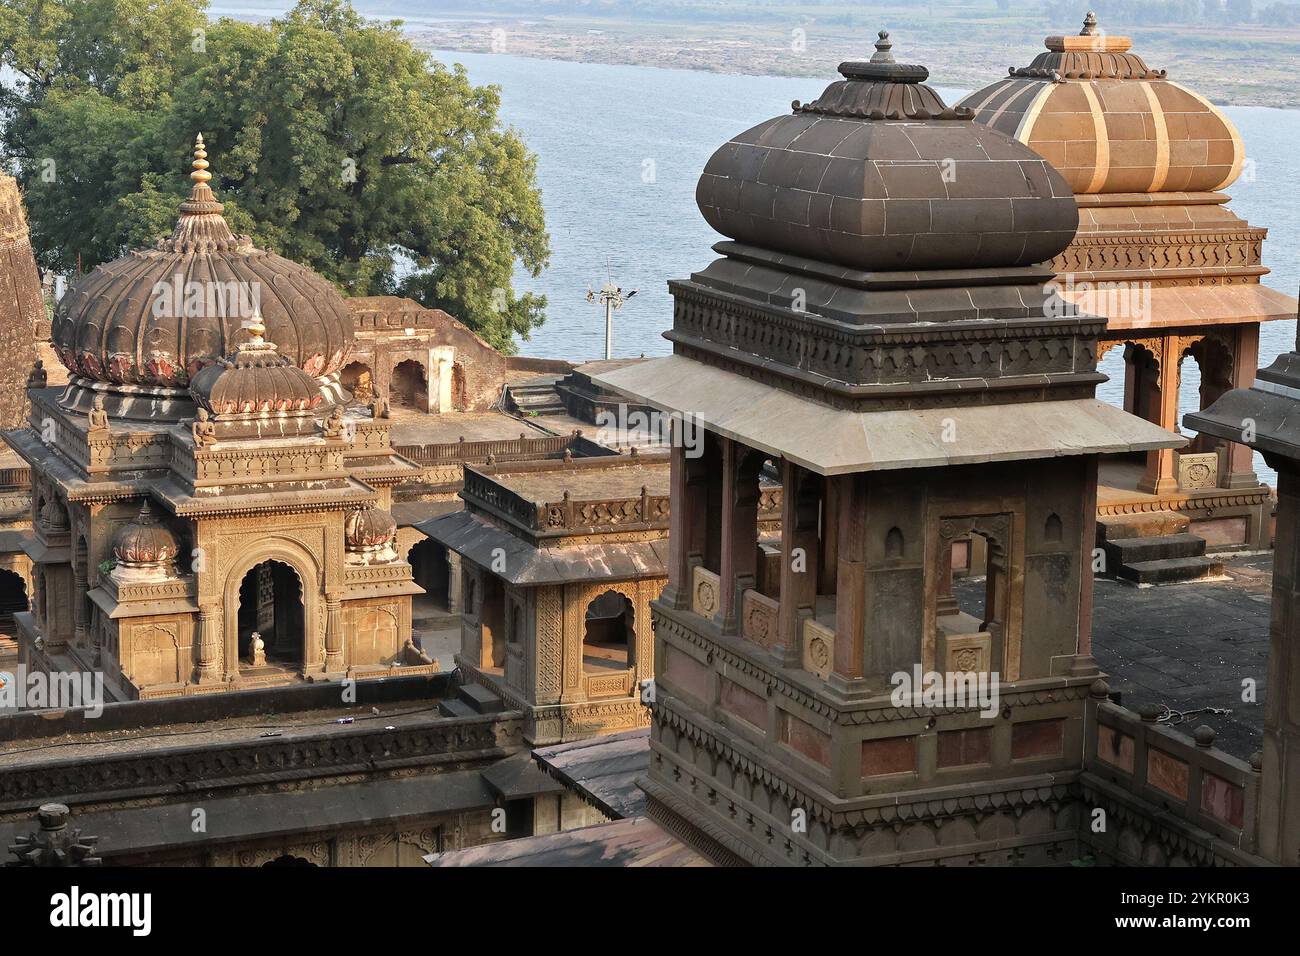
378	408
256	650
37	377
333	427
203	430
98	417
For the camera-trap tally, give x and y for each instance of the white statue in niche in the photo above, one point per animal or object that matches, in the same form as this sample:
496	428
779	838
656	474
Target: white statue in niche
256	650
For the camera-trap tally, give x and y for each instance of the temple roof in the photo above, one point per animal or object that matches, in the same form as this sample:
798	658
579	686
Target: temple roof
156	316
1110	123
879	174
845	441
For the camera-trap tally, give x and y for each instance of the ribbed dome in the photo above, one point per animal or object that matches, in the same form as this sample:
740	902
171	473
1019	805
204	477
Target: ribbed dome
879	174
368	528
1109	123
254	378
144	542
156	316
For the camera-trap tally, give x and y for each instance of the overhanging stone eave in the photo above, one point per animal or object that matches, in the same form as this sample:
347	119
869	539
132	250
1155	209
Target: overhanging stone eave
1266	410
844	441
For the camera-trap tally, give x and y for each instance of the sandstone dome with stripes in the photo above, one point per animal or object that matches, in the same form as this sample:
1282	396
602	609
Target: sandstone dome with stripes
1108	122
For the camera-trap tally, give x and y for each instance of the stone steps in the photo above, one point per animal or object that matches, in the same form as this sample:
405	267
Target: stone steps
480	699
456	708
1122	551
1171	570
1154	548
536	398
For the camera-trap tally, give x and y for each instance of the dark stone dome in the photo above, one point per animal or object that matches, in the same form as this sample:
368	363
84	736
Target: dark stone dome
130	322
145	542
879	174
255	378
368	528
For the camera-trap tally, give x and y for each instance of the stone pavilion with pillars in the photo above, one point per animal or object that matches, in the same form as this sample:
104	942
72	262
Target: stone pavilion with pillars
881	328
198	482
1161	255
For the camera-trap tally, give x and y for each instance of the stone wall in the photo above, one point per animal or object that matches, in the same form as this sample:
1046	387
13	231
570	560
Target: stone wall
21	305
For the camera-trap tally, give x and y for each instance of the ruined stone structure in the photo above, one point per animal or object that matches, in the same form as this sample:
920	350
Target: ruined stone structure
879	329
559	562
1163	258
419	358
197	486
22	306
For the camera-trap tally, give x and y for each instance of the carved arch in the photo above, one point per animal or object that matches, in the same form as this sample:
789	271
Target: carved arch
292	553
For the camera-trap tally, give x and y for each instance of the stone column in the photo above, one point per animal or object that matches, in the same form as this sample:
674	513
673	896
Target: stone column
209	643
1239	466
79	588
739	565
687	523
1159	478
1083	660
1279	796
453	581
333	633
799	550
851	579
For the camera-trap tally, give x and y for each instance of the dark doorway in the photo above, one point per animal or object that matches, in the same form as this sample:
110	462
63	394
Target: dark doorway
270	603
13	600
410	387
431	571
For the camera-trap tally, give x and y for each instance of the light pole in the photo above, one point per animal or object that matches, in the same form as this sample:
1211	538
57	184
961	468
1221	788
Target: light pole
612	297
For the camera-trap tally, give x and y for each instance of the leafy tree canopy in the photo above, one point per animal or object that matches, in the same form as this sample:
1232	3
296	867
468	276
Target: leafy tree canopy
332	140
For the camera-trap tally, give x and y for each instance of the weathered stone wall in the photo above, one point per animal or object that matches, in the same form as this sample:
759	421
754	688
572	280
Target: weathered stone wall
21	306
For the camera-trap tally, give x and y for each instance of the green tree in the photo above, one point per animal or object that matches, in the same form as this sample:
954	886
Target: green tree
332	140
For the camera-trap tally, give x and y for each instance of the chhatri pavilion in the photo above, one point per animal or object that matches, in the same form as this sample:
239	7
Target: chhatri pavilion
206	515
1174	270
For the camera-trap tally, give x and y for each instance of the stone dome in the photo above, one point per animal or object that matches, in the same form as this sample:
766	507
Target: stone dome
254	378
145	542
155	317
369	528
879	174
1108	122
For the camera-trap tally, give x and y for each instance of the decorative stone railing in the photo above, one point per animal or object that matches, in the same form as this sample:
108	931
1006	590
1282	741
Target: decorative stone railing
1187	776
818	648
758	618
501	449
19	477
706	592
223	464
600	686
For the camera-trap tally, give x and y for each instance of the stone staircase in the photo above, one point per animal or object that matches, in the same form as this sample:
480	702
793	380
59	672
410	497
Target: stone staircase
471	700
537	396
1154	548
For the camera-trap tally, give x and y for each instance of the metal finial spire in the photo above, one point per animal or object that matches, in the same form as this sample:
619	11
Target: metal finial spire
257	332
200	174
1089	25
883	48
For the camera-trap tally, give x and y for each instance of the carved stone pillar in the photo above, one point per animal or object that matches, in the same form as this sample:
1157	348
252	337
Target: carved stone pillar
209	644
79	589
333	633
799	551
1083	660
739	565
687	523
1159	477
453	582
851	581
1239	467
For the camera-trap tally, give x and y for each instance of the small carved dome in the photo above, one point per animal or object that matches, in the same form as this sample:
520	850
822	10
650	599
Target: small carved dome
1108	122
145	542
879	174
368	529
131	322
255	378
53	517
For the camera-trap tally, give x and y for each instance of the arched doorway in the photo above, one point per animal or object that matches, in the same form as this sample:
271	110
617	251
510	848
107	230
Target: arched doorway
271	603
410	386
609	635
459	393
13	600
357	379
431	571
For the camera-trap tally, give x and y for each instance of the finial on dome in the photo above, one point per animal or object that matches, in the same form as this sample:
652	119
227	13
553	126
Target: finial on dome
883	48
1089	25
200	173
257	331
